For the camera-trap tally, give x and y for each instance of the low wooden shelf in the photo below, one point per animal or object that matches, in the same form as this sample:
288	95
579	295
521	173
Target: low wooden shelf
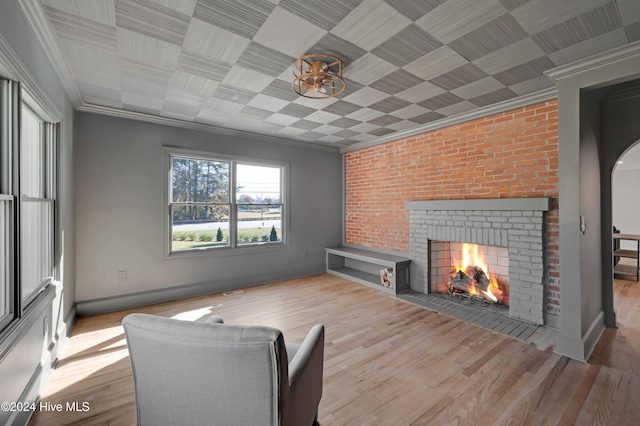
364	266
627	270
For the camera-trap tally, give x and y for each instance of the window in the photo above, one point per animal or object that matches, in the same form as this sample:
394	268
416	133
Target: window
9	111
37	153
258	203
27	197
219	202
200	203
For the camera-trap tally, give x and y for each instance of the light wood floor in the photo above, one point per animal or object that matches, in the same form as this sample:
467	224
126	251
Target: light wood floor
387	362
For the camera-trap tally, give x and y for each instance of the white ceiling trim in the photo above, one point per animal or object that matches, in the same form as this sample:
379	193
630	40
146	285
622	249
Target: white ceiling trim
37	20
115	112
608	57
508	105
43	105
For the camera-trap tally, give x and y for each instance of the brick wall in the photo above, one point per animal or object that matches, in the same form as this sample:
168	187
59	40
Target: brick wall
508	155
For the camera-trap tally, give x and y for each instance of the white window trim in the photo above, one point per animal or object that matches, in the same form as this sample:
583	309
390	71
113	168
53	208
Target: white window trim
233	248
22	294
49	196
6	253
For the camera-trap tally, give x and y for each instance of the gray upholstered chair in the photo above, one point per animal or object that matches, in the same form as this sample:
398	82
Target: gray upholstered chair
208	373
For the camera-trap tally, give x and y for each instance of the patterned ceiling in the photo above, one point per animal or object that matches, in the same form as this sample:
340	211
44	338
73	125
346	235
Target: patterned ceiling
227	63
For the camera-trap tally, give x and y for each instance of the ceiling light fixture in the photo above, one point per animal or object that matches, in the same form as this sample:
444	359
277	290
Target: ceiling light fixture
318	76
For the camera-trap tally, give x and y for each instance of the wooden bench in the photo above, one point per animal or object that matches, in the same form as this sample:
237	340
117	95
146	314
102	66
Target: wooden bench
365	266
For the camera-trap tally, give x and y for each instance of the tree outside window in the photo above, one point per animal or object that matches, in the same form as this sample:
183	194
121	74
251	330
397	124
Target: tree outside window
207	212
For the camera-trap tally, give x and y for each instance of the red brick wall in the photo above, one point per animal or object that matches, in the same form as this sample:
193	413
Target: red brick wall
508	155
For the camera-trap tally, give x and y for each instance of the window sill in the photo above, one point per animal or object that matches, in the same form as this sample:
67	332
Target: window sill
221	252
17	329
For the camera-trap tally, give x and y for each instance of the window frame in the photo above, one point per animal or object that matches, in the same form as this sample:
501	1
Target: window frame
233	247
47	197
16	101
9	262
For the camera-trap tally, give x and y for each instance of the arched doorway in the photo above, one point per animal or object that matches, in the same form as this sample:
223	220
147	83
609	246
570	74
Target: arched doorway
620	142
618	347
625	205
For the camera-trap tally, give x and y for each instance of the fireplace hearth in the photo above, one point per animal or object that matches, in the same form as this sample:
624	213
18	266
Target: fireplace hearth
491	316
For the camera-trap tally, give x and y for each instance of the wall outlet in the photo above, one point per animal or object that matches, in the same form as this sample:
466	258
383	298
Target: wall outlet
122	275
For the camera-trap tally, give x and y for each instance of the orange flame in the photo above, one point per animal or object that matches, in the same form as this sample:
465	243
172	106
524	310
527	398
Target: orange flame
471	257
493	285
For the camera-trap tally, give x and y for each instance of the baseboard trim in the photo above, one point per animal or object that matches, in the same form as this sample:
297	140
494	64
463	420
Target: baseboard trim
70	320
581	349
150	297
593	334
62	334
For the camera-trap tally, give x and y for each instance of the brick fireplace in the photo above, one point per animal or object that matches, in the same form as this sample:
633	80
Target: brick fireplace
515	224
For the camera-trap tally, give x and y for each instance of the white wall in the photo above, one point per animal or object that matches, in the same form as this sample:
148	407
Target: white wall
626	203
120	215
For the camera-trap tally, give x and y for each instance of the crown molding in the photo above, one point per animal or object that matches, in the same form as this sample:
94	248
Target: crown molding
138	116
605	58
36	18
17	70
508	105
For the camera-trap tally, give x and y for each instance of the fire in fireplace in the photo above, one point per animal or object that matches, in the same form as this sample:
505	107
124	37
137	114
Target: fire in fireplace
470	272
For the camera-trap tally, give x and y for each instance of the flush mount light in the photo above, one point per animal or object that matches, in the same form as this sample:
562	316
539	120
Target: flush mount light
318	76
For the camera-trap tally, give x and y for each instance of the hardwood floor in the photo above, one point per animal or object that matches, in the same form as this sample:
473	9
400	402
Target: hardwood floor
620	348
387	362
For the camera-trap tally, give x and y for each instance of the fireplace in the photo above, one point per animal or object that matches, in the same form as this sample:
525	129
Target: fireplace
509	231
470	271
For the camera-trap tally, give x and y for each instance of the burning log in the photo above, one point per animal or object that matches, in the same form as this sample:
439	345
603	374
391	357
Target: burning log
474	282
460	282
470	280
481	279
497	293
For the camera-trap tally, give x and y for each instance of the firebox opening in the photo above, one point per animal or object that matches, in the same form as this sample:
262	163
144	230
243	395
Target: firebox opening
470	271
